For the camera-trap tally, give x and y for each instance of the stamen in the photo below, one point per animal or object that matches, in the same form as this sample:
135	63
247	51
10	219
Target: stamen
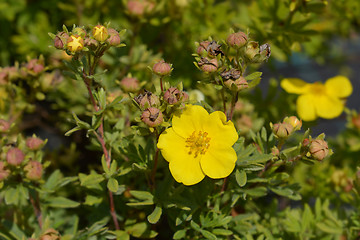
198	143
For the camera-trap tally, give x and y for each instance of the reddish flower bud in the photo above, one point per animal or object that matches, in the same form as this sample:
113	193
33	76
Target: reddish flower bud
283	130
15	156
60	40
202	48
172	95
208	66
152	117
4	126
34	170
34	143
130	84
147	100
305	142
319	149
34	65
139	7
162	68
237	85
4	173
237	40
91	43
275	151
356	121
100	33
114	37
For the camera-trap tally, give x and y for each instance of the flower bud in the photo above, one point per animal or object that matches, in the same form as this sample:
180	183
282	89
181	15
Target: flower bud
208	66
305	142
152	117
34	143
173	95
252	48
275	151
91	43
100	33
60	40
294	121
237	40
282	130
75	43
162	68
202	48
15	156
139	7
130	84
356	121
147	100
35	66
4	126
4	173
114	38
237	85
50	234
34	170
319	149
214	49
79	31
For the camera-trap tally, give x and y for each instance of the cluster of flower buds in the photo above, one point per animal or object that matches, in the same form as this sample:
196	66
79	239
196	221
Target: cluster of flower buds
208	52
233	80
174	96
139	8
17	160
34	67
79	39
7	74
341	181
284	129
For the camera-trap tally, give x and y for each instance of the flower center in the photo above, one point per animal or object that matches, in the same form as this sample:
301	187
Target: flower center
318	88
198	143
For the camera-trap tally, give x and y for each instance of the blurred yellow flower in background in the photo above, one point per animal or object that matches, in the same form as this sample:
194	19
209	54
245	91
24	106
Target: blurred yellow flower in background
319	99
199	144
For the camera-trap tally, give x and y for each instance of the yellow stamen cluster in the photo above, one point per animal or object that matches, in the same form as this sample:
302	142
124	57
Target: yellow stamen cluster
198	143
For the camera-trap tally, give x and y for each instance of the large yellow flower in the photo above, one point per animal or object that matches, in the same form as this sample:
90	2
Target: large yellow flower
318	99
199	144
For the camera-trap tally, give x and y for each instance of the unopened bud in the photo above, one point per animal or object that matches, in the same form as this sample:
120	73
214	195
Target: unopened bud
50	234
202	48
35	66
208	66
4	126
34	143
275	151
4	173
237	40
356	121
237	85
305	142
147	100
75	43
152	117
319	149
114	37
34	170
282	130
60	40
173	95
91	43
139	7
252	48
294	121
15	156
162	68
130	84
79	31
100	33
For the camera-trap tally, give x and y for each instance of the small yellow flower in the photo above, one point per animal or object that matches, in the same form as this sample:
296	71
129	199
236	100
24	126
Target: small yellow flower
100	33
318	99
75	43
199	144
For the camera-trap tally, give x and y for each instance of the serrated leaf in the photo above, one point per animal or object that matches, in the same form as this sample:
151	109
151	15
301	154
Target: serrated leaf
154	217
113	185
240	177
61	202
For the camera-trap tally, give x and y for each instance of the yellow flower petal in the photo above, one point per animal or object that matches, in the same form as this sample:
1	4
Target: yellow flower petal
221	131
328	107
338	86
191	119
305	107
183	167
218	162
294	85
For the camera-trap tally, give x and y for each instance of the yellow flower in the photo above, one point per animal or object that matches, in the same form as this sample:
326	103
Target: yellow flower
318	99
75	43
199	144
100	33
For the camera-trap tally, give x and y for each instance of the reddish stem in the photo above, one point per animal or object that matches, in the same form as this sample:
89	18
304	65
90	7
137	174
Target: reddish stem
37	210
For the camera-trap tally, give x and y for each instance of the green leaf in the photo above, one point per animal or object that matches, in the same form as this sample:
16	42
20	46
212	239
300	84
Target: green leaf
282	191
92	200
253	76
61	202
90	180
14	230
221	231
140	230
113	167
240	177
142	195
328	229
68	133
113	185
256	192
12	196
123	235
208	235
104	165
195	226
154	217
180	234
